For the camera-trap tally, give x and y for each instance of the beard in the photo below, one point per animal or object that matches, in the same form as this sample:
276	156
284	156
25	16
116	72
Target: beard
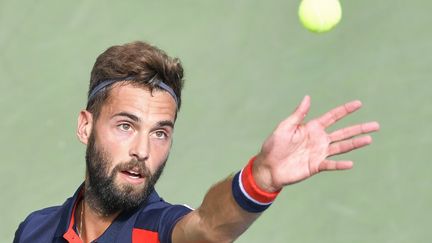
101	191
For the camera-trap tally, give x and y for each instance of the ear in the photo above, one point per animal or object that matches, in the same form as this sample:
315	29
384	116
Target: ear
84	127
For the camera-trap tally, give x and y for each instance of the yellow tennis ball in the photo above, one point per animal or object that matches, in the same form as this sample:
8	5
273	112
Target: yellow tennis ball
320	15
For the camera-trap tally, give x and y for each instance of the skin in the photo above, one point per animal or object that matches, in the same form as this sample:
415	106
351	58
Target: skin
133	124
295	151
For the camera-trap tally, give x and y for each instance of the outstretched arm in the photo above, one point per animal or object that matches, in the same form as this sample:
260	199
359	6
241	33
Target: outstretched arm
294	152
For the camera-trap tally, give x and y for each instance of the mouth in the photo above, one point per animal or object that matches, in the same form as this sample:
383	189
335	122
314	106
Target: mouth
132	176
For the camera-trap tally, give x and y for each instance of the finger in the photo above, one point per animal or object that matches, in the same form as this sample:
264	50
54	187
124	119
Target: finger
338	113
299	114
348	145
328	165
352	131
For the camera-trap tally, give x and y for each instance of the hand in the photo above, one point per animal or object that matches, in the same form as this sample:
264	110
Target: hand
296	151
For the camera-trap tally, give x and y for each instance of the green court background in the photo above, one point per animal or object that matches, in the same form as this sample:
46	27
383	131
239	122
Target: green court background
248	63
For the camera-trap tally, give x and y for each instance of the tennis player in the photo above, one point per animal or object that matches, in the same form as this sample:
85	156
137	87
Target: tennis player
127	126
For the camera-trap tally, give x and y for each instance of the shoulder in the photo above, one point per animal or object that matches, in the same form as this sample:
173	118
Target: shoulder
159	218
38	224
161	213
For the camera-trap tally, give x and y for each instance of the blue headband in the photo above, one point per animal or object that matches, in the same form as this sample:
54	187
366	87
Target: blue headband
108	82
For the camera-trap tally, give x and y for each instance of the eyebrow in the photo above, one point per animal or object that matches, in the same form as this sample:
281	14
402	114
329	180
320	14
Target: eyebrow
165	123
128	115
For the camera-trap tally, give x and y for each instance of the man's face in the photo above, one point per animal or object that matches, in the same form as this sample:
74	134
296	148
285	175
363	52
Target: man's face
128	146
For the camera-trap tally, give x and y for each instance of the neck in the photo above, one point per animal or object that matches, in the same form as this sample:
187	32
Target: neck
91	223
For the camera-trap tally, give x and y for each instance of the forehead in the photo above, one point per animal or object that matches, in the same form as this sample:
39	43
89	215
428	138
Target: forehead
140	101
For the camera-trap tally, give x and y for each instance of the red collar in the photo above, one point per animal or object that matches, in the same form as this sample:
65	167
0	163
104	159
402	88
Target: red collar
71	236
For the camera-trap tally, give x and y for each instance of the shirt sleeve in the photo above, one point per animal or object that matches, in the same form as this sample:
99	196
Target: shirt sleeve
39	226
170	216
18	232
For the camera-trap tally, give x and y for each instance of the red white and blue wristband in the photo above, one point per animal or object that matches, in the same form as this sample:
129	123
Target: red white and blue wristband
247	194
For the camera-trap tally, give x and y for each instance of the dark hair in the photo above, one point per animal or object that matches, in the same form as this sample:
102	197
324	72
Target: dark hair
138	60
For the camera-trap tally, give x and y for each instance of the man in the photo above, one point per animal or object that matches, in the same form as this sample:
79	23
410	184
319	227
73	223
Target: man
133	101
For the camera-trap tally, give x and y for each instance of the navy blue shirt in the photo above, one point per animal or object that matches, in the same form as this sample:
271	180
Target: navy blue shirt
152	222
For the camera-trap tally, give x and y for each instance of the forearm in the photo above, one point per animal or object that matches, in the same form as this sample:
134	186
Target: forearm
218	219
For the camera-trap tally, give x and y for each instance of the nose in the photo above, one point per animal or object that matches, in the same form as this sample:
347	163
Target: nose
140	148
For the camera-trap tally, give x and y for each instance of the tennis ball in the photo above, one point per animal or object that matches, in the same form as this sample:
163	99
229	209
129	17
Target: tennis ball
320	15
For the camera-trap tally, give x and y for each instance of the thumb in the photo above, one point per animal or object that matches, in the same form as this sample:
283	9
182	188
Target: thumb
297	117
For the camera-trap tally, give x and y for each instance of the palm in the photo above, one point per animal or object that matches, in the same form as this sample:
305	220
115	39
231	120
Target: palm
296	151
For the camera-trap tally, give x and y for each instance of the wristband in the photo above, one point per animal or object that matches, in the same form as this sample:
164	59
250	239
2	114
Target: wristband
247	194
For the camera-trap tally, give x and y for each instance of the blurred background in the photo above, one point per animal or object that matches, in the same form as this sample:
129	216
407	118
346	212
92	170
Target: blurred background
248	63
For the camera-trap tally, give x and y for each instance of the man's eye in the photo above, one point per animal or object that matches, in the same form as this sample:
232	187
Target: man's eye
160	134
125	127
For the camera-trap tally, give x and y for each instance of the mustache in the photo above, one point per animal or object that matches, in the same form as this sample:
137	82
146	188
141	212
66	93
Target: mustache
134	165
